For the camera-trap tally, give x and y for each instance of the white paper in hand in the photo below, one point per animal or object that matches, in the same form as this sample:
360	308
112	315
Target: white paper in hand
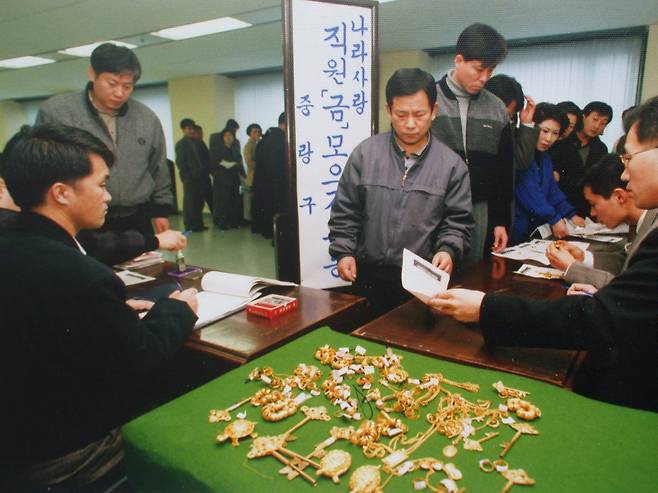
421	278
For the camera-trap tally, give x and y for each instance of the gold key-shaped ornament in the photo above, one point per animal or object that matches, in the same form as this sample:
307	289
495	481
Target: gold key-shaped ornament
217	415
312	414
521	429
276	447
516	476
475	445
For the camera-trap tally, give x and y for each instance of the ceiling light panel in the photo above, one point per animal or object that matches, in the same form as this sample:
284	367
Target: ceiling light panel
85	50
204	28
25	61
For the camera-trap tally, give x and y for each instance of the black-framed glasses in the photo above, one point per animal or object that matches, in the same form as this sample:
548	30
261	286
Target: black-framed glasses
626	158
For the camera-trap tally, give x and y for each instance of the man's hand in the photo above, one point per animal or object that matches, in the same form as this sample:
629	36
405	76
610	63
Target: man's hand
461	304
578	221
140	305
559	256
528	112
556	175
559	229
161	224
443	261
171	240
581	289
347	269
188	296
500	239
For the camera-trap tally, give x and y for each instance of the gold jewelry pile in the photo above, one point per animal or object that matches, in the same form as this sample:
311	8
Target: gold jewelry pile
359	386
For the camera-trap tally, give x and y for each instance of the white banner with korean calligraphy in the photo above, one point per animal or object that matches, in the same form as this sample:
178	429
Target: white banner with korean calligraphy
332	53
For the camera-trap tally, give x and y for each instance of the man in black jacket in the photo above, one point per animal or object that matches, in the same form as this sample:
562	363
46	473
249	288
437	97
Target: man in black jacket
70	343
618	324
583	148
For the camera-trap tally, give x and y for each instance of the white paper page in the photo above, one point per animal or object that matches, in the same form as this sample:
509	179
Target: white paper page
421	278
539	272
213	306
227	283
130	278
592	228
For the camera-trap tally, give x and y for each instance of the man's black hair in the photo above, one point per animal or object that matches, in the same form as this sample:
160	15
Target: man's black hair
408	81
646	116
282	118
252	126
549	111
628	118
507	88
604	176
232	124
600	107
115	59
483	43
572	108
187	122
37	157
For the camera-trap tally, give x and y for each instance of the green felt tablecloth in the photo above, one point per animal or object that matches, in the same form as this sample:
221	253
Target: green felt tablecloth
583	446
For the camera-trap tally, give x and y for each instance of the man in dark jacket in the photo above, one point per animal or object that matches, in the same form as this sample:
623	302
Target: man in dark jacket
618	324
400	189
70	342
475	124
583	148
194	175
270	179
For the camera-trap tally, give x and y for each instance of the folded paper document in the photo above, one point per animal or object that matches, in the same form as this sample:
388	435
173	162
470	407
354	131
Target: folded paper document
421	278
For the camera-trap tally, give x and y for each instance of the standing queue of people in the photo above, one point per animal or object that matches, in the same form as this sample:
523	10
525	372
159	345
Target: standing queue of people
242	191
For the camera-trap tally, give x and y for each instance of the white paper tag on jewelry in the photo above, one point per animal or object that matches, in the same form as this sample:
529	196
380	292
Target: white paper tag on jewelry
315	392
344	350
242	415
467	431
329	441
368	370
405	468
303	397
344	405
508	420
449	484
379	403
432	383
501	467
420	484
360	350
394	431
502	407
413	381
395	458
287	389
438	466
357	416
355	367
266	379
302	367
367	386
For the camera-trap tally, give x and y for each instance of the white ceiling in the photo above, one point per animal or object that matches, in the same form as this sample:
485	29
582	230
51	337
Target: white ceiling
33	27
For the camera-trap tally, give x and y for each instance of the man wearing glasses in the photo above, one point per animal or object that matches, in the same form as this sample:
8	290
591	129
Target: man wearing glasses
618	324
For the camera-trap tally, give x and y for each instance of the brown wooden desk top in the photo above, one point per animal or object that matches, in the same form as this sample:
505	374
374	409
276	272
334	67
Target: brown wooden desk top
412	326
242	337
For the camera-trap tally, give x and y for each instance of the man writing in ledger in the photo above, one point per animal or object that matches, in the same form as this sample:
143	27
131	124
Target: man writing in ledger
70	342
475	124
400	189
618	324
140	184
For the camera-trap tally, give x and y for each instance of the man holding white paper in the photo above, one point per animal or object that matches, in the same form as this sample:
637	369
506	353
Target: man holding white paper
400	189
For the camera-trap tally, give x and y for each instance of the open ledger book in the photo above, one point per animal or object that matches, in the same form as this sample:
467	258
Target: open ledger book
223	294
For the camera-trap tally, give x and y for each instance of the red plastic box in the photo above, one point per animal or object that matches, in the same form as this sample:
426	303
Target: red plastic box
272	306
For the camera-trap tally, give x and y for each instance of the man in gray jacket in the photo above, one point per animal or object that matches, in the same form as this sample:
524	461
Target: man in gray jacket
140	185
400	189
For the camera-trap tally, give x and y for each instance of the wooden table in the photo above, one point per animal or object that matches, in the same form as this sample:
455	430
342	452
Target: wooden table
242	337
412	326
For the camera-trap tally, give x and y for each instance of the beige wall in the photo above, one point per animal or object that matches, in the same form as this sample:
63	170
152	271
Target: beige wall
650	76
389	63
207	99
12	117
